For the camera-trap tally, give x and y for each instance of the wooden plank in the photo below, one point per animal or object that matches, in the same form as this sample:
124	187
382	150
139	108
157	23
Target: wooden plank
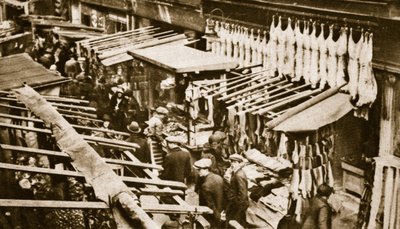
150	43
173	208
159	192
288	101
115	35
138	180
128	145
62	154
67	113
273	123
52	204
165	208
177	198
54	104
257	85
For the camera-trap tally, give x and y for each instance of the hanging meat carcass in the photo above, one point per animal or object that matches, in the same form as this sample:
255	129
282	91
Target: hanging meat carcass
273	49
253	47
281	35
241	46
218	41
353	65
265	50
341	51
323	55
332	58
307	52
367	86
314	76
298	73
259	48
235	42
248	39
229	35
223	34
290	50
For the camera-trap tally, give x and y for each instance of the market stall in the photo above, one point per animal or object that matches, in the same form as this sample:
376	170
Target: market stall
169	75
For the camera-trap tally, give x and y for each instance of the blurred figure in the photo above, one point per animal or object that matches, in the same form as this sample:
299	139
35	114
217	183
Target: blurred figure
319	214
156	124
118	106
177	165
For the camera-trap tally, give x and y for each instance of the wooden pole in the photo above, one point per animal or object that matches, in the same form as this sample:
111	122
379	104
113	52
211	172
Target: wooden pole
106	184
271	124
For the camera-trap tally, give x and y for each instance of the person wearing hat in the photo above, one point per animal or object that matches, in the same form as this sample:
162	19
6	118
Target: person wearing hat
236	191
136	136
210	190
214	152
133	106
156	124
118	106
177	164
319	214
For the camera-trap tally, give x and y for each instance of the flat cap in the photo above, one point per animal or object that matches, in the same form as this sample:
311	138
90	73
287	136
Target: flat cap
162	110
236	157
202	163
220	135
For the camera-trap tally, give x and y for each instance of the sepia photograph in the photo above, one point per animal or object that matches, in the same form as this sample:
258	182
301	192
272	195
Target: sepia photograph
199	114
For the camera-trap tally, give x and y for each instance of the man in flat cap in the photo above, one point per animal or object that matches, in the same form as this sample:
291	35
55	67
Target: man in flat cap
210	191
177	165
156	124
236	191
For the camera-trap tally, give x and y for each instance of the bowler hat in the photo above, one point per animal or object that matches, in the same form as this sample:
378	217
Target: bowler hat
134	127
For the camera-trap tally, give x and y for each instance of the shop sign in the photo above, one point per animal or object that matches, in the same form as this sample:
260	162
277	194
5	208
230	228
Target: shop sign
115	4
178	15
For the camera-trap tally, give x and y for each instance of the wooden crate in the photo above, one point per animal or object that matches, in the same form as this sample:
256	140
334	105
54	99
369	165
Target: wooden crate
353	178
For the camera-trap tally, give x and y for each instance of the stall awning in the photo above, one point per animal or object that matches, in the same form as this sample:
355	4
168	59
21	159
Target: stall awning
323	113
18	69
182	59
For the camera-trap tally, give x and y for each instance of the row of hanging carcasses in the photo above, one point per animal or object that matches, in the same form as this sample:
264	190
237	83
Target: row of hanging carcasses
300	53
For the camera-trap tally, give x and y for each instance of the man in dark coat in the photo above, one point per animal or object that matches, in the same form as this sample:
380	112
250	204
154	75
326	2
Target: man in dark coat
210	191
319	215
236	192
143	154
177	166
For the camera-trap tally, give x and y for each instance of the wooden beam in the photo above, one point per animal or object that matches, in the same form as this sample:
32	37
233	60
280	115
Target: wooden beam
159	192
66	113
115	142
255	78
283	103
52	204
165	208
177	198
138	180
257	85
260	93
11	99
63	154
173	208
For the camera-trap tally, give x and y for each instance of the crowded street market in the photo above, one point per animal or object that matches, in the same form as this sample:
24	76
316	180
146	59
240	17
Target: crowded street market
199	114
